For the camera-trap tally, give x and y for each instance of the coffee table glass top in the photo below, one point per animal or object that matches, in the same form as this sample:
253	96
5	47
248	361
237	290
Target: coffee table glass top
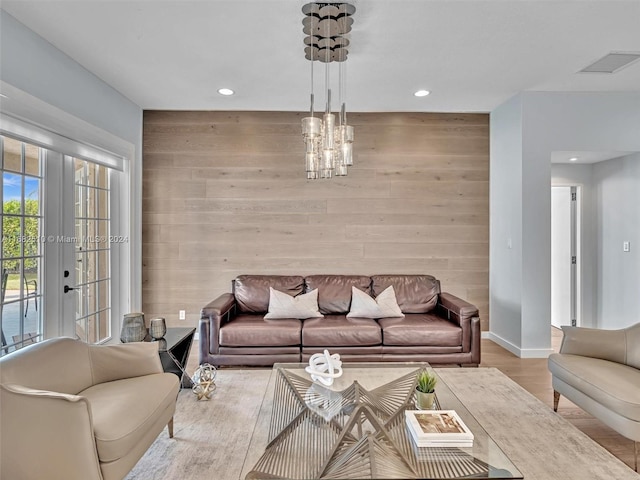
356	429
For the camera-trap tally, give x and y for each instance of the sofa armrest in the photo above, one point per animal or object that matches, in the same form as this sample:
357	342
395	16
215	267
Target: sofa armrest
46	435
456	309
593	342
128	360
465	315
212	317
220	307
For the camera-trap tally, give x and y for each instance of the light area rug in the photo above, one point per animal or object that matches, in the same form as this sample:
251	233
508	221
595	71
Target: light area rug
221	439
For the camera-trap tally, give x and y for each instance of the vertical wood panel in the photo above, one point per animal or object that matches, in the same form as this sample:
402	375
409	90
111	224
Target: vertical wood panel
224	193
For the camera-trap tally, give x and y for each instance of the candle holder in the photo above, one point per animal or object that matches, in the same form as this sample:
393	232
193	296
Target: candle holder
133	328
157	328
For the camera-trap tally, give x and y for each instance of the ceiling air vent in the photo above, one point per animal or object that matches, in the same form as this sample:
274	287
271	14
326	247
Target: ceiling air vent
612	62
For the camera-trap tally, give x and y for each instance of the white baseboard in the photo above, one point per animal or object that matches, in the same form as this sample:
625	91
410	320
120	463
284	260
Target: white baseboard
517	351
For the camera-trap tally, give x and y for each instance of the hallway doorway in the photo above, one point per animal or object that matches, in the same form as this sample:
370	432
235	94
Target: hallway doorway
564	255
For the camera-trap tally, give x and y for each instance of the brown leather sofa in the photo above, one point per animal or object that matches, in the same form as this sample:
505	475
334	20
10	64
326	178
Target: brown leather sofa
437	327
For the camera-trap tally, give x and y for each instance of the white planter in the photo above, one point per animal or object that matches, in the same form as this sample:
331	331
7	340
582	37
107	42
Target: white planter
424	401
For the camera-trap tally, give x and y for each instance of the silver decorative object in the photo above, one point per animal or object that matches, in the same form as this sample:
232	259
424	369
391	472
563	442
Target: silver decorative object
203	381
133	328
157	327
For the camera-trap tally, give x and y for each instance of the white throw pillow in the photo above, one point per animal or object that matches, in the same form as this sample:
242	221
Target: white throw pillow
383	306
282	305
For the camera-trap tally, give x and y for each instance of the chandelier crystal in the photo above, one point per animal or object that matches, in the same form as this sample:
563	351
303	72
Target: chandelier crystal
328	142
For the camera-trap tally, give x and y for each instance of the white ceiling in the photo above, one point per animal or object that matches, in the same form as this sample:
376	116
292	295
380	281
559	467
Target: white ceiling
473	55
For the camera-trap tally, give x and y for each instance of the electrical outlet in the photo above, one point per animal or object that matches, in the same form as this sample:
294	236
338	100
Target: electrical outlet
183	315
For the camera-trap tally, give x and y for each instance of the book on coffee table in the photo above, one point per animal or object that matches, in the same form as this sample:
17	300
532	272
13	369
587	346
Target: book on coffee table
438	428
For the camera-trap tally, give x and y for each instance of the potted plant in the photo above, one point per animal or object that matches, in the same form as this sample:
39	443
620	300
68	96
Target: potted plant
425	390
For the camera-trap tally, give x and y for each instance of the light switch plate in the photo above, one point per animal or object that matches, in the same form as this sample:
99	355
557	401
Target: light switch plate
626	246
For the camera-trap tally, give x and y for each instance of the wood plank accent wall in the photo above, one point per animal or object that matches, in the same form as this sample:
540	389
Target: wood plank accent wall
225	193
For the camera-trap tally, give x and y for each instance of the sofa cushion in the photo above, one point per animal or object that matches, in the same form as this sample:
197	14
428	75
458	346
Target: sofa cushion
59	364
334	291
613	385
420	329
124	410
282	305
252	291
256	331
384	305
339	330
414	293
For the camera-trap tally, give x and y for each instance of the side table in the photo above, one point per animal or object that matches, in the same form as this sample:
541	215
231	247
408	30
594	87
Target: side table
174	351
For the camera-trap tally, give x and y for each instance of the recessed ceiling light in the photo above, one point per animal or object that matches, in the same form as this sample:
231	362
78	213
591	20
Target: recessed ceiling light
226	91
422	93
573	159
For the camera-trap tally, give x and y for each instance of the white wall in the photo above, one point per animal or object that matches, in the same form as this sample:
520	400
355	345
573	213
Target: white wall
582	176
550	122
617	185
33	66
505	206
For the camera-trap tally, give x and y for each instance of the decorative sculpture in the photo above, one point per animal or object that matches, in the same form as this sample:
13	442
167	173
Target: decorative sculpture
203	381
324	367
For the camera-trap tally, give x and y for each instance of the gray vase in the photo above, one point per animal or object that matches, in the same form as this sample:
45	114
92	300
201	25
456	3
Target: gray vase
157	328
133	328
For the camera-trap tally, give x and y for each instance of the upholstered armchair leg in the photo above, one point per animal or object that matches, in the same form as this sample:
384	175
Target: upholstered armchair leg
170	427
635	451
556	399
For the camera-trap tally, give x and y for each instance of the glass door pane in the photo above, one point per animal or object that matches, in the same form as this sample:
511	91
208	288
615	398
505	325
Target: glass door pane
22	244
92	252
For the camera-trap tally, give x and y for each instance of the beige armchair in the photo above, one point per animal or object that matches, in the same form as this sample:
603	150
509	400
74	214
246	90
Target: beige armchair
599	370
77	411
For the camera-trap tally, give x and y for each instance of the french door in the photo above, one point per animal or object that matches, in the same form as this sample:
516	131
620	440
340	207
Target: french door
57	246
92	251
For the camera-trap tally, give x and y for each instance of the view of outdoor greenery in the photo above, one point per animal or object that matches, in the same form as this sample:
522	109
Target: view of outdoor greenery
14	239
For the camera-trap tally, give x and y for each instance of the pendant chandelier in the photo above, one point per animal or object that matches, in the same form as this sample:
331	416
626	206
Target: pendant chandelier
328	143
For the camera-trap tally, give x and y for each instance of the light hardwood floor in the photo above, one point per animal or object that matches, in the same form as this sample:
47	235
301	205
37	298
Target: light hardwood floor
533	375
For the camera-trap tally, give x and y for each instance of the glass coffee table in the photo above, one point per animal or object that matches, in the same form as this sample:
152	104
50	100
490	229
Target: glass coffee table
356	429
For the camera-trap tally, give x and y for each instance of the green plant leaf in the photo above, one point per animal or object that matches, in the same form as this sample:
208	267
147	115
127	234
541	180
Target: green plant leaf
426	382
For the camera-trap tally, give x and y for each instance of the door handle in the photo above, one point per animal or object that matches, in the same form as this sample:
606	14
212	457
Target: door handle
67	289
